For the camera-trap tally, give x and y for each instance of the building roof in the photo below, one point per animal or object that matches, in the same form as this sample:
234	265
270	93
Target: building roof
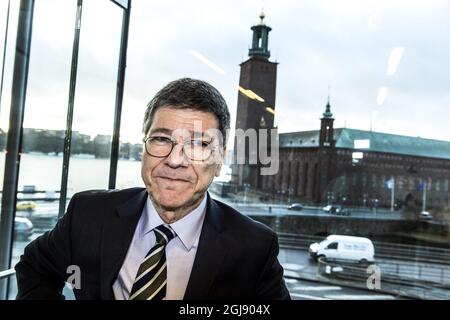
379	142
301	139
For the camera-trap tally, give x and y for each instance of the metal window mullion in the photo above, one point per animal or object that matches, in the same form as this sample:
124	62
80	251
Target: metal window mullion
115	144
4	54
70	108
14	141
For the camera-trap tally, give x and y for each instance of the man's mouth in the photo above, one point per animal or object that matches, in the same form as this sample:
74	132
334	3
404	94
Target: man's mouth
173	179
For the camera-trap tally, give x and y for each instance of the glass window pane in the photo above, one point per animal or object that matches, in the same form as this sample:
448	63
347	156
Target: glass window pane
95	96
46	111
357	92
44	124
7	32
377	158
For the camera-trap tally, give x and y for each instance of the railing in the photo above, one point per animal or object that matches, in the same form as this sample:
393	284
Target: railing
422	284
392	251
4	275
7	273
425	273
392	272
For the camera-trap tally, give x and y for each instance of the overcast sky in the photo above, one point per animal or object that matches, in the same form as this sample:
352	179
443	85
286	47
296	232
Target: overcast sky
331	46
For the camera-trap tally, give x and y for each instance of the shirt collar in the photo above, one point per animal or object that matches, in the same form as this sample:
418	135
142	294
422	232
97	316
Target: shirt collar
187	228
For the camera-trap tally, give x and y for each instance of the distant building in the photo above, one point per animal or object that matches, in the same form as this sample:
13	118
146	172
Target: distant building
102	146
80	137
360	167
256	101
338	165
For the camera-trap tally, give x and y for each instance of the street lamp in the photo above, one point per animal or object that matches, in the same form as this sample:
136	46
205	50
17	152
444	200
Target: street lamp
246	186
329	197
375	204
290	190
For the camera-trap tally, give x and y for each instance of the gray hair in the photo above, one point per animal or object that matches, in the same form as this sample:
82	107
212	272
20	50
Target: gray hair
187	93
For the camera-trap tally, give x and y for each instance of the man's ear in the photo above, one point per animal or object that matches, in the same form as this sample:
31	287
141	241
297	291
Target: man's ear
224	153
219	165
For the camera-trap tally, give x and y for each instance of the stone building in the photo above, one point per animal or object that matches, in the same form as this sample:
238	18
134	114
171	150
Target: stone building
335	165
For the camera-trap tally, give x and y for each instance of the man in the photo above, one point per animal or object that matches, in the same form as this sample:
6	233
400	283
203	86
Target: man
170	240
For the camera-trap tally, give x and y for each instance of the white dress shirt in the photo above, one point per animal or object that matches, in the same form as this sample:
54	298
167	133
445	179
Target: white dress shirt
180	251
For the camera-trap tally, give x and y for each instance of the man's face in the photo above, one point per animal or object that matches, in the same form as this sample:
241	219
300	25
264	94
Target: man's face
176	181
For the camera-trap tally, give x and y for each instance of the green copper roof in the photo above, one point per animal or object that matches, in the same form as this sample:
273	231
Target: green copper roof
379	142
302	139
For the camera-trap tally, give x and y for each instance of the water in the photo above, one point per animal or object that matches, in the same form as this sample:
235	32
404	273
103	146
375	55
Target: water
85	173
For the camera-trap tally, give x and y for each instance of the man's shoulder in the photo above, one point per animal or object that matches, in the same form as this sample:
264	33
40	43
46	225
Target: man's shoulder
238	222
113	196
111	193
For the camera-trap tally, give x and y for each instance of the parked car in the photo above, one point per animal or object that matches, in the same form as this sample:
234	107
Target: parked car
26	206
295	206
332	208
425	215
23	228
336	209
342	247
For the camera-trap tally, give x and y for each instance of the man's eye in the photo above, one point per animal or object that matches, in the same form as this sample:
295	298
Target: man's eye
199	143
161	139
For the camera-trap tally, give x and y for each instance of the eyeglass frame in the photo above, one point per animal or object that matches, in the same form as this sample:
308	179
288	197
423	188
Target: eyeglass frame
174	143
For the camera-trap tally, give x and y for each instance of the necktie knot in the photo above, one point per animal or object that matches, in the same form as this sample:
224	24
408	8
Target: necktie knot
164	233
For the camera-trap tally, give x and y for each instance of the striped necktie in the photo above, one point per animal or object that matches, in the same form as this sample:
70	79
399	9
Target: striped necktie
151	278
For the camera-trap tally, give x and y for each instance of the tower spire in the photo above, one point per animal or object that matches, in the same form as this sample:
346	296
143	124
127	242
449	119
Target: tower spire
326	138
262	16
327	113
260	42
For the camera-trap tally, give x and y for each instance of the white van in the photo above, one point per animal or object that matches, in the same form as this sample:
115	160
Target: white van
344	248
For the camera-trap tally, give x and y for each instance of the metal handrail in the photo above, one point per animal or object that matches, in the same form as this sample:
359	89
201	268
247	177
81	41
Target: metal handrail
358	274
7	273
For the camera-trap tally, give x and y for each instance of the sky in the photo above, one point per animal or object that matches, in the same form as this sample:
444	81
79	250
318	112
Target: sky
385	64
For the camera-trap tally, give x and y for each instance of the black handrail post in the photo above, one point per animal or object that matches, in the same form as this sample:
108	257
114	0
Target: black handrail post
14	141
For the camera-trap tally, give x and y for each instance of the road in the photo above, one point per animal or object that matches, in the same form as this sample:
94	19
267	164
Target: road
45	207
311	290
298	266
257	208
318	212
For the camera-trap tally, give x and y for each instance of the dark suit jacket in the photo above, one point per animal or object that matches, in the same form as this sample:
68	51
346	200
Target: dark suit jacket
236	256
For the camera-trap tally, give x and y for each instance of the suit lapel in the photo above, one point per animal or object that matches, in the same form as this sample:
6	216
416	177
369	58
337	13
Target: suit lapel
210	253
117	235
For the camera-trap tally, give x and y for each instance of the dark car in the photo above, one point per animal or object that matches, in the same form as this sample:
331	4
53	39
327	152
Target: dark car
23	228
295	206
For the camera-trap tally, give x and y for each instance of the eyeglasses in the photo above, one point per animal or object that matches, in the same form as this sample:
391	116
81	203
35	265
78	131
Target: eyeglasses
161	147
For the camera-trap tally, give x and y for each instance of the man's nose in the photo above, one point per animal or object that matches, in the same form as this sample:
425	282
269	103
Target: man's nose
177	157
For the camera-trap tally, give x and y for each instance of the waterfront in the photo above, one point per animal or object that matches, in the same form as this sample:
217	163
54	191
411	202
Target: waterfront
85	173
